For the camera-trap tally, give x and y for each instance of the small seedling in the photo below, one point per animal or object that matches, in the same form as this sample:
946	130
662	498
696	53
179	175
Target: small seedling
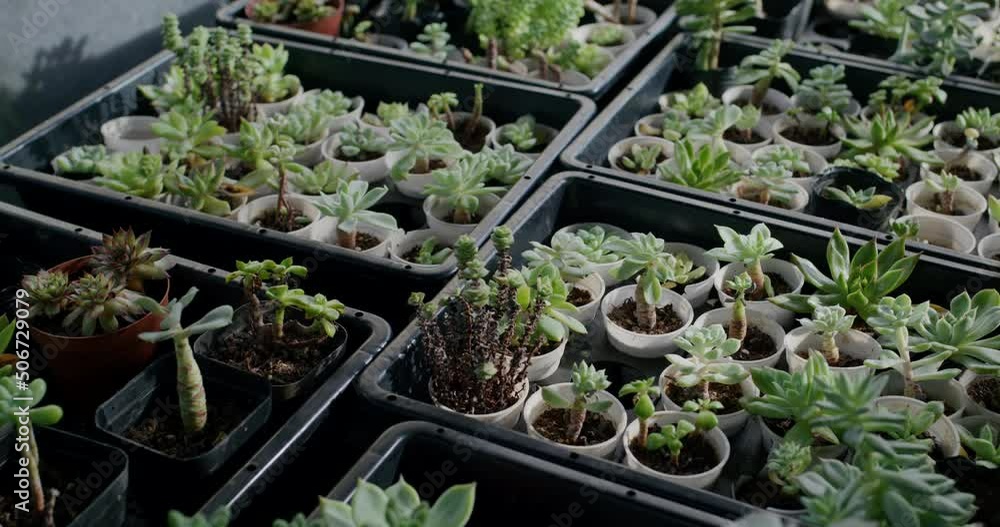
865	199
739	285
828	323
642	392
709	360
587	382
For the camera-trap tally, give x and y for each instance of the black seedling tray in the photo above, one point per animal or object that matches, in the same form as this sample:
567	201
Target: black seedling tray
213	240
510	485
30	242
397	380
671	71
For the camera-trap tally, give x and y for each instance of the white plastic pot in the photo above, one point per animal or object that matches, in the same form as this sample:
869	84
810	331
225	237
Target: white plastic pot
763	129
582	33
740	96
655	120
594	284
372	171
543	366
972	406
853	343
828	152
546	132
786	270
449	233
919	194
946	128
715	438
619	149
989	246
949	392
644	17
536	406
506	418
131	134
845	9
697	292
267	109
249	213
724	315
461	117
730	423
325	231
408	242
312	154
639	344
978	163
943	431
336	123
412	186
817	164
944	232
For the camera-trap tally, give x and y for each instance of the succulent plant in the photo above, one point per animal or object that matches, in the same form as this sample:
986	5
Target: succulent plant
461	186
750	250
567	253
695	103
137	174
607	35
200	189
328	103
708	22
48	292
506	165
129	259
400	505
80	160
709	359
941	35
272	84
944	185
358	143
586	382
707	168
762	69
673	126
866	199
887	19
768	184
791	159
905	229
829	322
786	462
643	391
978	124
599	242
386	113
883	166
901	94
739	285
886	135
434	41
984	445
713	126
431	253
965	331
824	89
350	207
795	397
99	300
291	11
218	518
255	275
642	159
303	124
671	437
173	92
421	139
522	134
324	178
441	105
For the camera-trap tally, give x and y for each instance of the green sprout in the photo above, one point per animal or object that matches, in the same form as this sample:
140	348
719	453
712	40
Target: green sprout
865	199
642	392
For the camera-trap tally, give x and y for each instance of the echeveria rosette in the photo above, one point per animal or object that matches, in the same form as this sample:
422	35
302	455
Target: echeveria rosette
462	185
190	136
99	301
567	252
543	285
350	207
421	139
709	359
707	168
587	381
80	160
750	250
885	134
399	504
130	259
761	69
793	396
965	331
828	322
200	189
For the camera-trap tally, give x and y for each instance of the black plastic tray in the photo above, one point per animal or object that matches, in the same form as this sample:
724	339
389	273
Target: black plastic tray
669	72
510	486
26	160
395	380
30	241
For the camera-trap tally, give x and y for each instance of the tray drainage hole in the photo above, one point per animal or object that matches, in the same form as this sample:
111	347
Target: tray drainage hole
128	198
591	176
440	430
736	212
211	270
78	229
732	200
251	468
590	166
262	231
408	267
630	493
391	397
526	177
359	314
574	455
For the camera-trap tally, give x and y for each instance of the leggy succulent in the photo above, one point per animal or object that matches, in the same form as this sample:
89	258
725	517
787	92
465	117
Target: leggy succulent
350	207
434	41
709	22
739	285
586	382
945	186
750	250
762	69
642	391
462	186
828	323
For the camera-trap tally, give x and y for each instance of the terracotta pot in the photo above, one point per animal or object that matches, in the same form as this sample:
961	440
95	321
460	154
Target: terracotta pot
94	368
327	26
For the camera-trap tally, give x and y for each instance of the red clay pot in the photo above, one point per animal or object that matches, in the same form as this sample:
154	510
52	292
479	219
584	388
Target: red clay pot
327	26
94	368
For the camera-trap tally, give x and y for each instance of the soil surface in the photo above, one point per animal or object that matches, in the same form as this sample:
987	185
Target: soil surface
778	283
757	344
737	136
766	108
728	395
53	477
474	142
842	362
579	297
957	140
476	218
964	173
979	481
986	392
762	492
367	241
811	136
781	427
270	220
360	158
435	164
164	431
696	457
552	424
666	319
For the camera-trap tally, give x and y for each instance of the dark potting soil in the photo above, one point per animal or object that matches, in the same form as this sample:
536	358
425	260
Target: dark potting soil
483	402
778	283
659	159
270	219
986	392
862	326
65	479
366	241
977	480
552	424
737	136
412	254
435	164
727	394
809	136
282	362
934	204
964	173
472	142
957	140
696	457
781	427
579	296
537	149
450	218
764	493
757	344
996	257
666	319
843	361
360	158
164	431
766	108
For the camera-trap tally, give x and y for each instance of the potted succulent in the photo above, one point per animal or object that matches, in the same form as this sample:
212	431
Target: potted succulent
629	13
137	174
892	136
830	333
735	125
398	503
420	145
384	115
804	164
283	211
275	90
471	129
755	75
337	110
80	162
362	150
708	23
762	340
973	130
526	135
318	16
944	194
776	488
349	223
509	32
458	198
598	237
695	103
754	253
941	231
705	167
614	38
771	184
829	204
88	309
580	415
434	41
568	253
975	474
281	334
324	178
420	247
643	320
708	373
820	133
698	289
824	89
308	127
506	166
640	155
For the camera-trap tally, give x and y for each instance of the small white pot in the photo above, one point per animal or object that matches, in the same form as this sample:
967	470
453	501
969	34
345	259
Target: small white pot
372	171
131	134
644	17
715	437
582	33
989	246
853	343
312	154
697	292
336	123
248	213
786	270
724	315
817	164
654	120
619	149
943	431
407	243
546	132
639	344
449	233
949	392
943	129
740	95
978	163
544	365
594	284
267	109
413	185
828	152
972	406
966	199
944	232
461	117
536	406
506	418
325	231
730	423
769	440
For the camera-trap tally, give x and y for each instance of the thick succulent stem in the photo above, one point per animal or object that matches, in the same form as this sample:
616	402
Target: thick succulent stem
282	203
462	216
633	6
946	200
347	239
760	92
477	114
577	416
738	325
910	387
190	387
706	390
421	166
279	322
645	312
492	53
756	272
829	347
643	432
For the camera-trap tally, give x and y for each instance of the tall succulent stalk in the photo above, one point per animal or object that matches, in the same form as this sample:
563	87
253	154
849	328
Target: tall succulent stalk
738	326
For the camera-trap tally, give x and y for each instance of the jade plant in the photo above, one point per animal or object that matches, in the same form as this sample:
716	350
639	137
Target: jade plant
398	506
750	250
855	283
762	69
671	438
709	22
272	84
324	178
944	186
80	160
462	186
350	207
866	199
643	391
587	381
642	159
137	174
829	322
706	168
887	135
984	445
646	258
421	140
290	11
768	184
708	361
434	41
360	144
965	331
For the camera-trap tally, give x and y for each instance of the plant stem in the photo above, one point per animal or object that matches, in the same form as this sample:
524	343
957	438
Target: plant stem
910	387
421	166
643	432
347	239
759	92
461	216
190	387
477	115
35	477
632	10
830	349
492	53
738	325
282	204
756	272
645	313
946	200
706	391
279	322
577	416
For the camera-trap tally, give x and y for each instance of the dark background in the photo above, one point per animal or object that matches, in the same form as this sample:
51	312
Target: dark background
52	52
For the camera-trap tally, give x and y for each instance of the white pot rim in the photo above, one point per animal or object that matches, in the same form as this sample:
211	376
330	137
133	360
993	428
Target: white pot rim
670	417
519	402
670	297
620	424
